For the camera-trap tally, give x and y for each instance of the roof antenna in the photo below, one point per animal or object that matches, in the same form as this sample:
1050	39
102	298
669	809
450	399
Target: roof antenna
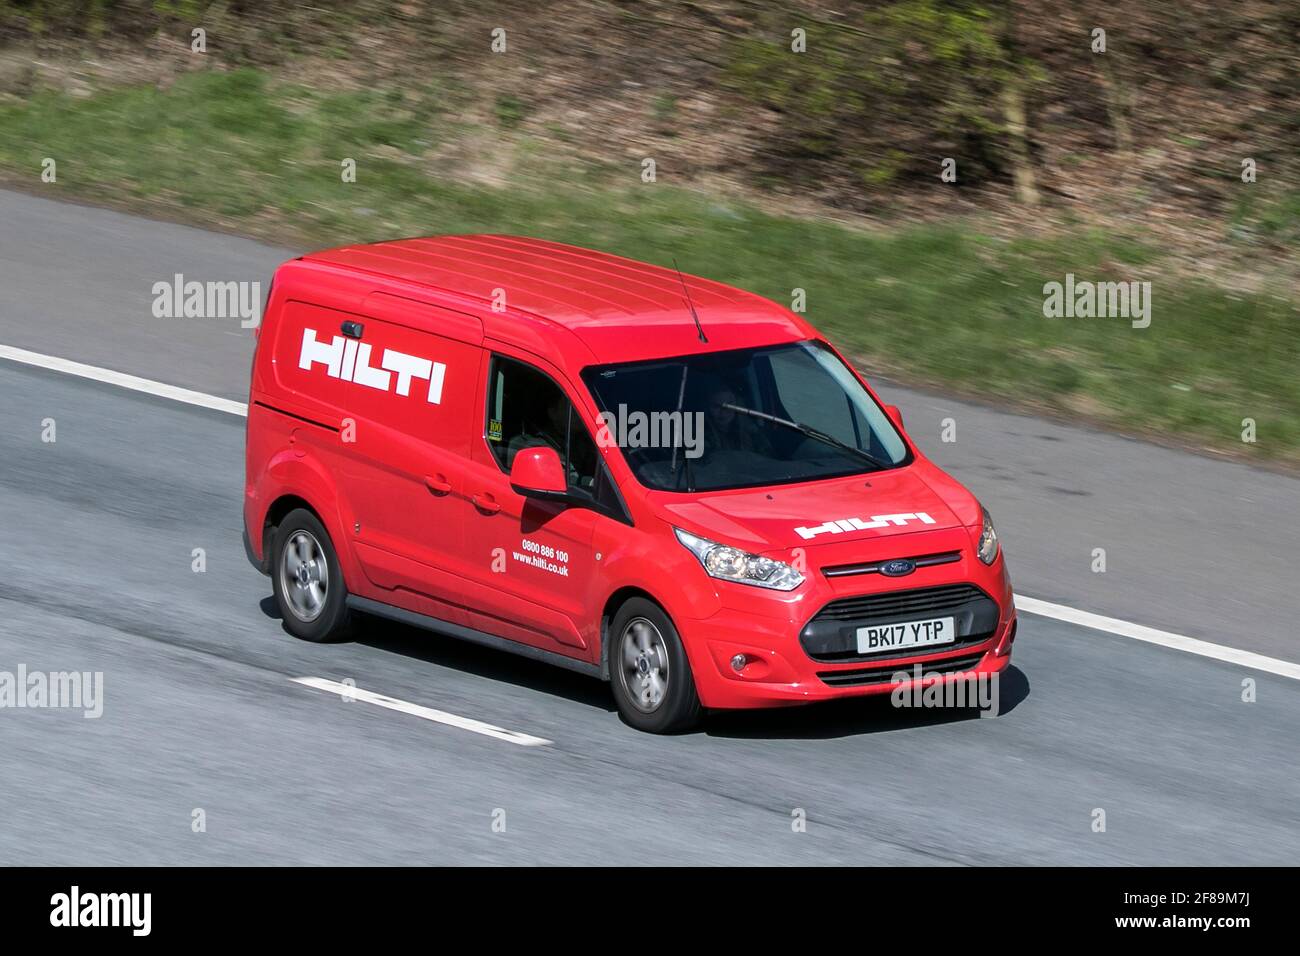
699	328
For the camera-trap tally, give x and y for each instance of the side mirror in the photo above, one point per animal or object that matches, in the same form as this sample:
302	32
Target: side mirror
895	416
537	473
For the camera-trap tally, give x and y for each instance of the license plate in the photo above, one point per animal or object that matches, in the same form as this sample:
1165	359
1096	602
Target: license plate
908	634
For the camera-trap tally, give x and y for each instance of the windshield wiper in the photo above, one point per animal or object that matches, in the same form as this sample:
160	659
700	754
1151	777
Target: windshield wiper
812	433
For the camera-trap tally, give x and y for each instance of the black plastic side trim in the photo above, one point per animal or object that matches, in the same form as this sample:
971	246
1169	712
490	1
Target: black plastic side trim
473	635
885	674
252	558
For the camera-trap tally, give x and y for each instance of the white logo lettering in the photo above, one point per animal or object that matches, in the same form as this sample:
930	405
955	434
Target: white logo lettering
407	367
349	360
841	525
313	351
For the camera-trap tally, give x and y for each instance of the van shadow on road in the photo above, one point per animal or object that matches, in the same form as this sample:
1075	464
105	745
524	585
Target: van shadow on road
857	716
842	718
467	657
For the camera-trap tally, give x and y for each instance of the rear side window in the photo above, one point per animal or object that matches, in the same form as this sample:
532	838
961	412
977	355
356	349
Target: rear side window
525	409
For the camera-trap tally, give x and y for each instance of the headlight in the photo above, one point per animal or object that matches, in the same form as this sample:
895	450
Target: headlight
988	549
732	564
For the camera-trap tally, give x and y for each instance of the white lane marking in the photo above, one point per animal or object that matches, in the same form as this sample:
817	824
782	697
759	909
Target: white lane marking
123	380
428	713
1150	635
1032	605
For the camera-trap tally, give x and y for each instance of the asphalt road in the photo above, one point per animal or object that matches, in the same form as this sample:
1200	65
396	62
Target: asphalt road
200	713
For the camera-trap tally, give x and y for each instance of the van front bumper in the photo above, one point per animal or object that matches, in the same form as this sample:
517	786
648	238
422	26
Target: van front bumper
788	662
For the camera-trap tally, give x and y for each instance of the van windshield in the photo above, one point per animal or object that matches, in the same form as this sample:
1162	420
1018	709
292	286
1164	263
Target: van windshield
743	418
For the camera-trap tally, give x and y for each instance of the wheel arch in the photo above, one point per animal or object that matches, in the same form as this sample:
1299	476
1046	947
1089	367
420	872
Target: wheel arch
277	512
612	604
291	482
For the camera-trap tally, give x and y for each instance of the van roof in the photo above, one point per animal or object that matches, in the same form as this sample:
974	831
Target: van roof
620	308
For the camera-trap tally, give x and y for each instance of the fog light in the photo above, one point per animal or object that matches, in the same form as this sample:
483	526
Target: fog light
738	663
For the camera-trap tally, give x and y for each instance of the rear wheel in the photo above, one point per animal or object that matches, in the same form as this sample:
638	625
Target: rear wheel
307	580
651	677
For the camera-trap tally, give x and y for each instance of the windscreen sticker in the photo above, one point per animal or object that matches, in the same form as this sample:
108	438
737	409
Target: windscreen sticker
494	430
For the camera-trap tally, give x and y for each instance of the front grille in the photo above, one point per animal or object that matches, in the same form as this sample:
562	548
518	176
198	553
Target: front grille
919	602
873	567
864	676
831	636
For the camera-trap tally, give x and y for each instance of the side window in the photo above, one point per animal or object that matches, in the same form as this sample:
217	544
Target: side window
525	408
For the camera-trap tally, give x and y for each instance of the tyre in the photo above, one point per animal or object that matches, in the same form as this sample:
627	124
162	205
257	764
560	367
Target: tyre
307	579
650	675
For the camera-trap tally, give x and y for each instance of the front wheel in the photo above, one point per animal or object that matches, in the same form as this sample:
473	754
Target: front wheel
307	580
651	677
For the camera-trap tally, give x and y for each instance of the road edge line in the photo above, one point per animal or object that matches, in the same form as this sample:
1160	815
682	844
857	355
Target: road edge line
122	380
347	691
1150	635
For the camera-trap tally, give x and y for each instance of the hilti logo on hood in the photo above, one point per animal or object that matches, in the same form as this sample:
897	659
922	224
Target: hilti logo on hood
841	525
349	360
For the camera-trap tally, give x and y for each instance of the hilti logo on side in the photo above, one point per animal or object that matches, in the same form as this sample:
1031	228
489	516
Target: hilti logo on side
841	525
349	360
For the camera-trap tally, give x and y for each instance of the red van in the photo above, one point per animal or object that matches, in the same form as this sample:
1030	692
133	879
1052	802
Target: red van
651	478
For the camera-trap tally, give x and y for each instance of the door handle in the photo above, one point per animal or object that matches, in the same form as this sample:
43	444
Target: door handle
485	503
437	484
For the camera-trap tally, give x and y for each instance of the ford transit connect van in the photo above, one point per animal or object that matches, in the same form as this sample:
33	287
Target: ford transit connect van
661	481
